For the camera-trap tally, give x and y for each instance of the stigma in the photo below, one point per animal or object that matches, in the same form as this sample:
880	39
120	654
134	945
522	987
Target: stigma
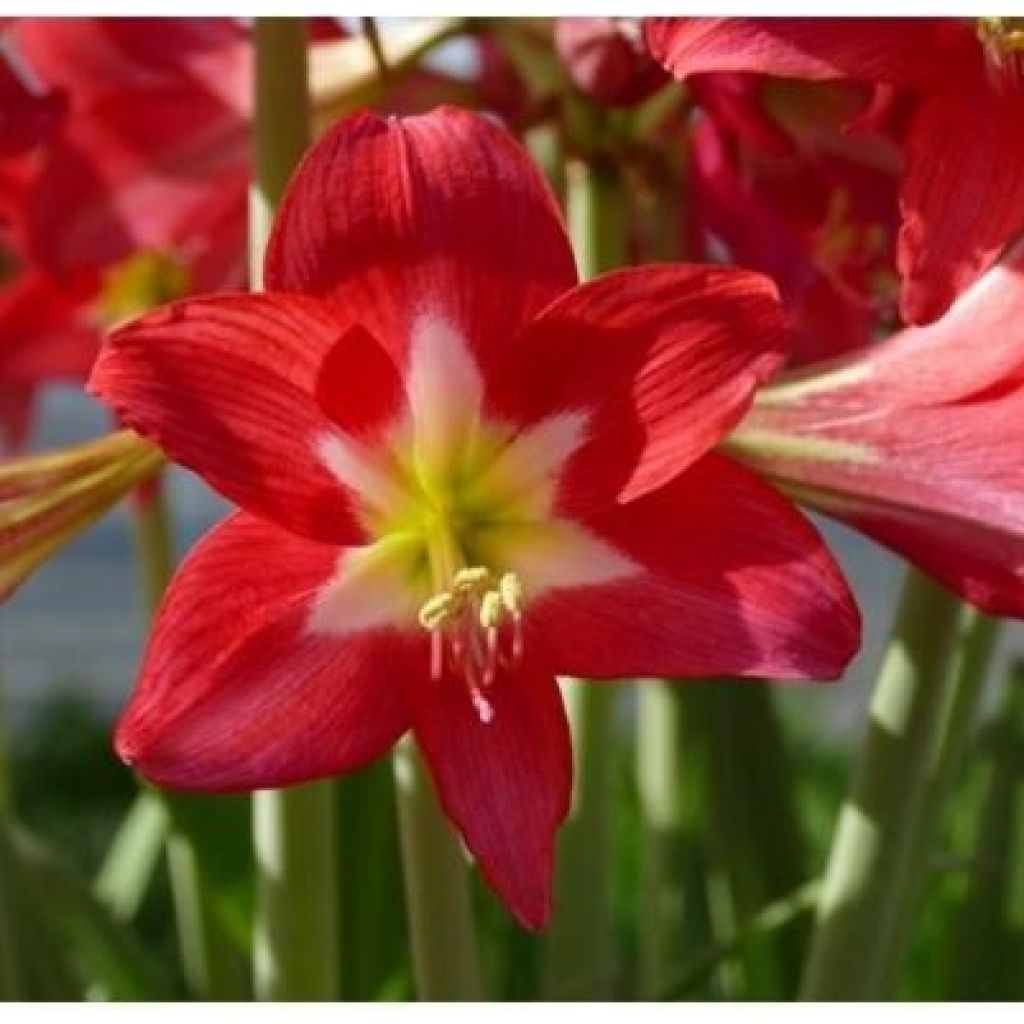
476	627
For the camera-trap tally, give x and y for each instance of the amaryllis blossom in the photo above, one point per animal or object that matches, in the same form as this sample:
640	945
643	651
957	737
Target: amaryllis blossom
773	178
153	152
460	474
606	59
917	441
962	193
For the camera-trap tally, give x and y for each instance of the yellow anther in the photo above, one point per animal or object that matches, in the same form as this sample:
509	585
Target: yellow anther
471	579
437	610
511	589
492	609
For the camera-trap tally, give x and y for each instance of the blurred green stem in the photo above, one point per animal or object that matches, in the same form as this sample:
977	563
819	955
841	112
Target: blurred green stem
6	778
128	867
748	821
987	937
445	961
204	955
580	954
153	539
923	707
296	932
664	836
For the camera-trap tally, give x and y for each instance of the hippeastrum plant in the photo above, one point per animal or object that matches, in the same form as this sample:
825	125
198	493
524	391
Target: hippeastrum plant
461	473
916	441
773	176
153	151
962	193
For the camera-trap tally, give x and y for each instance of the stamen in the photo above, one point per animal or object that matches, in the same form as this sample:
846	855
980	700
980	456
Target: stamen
511	589
483	707
465	623
471	579
492	610
439	609
436	656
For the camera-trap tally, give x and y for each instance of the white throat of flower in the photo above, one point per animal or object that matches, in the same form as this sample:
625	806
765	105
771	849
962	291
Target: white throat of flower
462	512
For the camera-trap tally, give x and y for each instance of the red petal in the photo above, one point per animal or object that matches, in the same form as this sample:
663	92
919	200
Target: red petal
46	331
26	117
904	51
142	169
442	214
505	783
358	386
92	57
226	386
939	484
665	358
963	188
236	692
926	366
742	210
735	582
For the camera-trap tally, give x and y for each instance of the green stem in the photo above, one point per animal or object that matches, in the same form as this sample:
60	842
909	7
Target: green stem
200	940
988	932
131	860
580	953
6	776
781	913
922	705
665	840
153	540
441	930
296	933
205	958
748	824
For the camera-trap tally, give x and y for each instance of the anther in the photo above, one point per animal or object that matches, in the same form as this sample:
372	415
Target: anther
471	579
492	610
511	589
439	609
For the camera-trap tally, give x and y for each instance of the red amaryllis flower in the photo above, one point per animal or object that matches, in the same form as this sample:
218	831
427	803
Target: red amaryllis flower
917	441
773	178
154	151
962	195
460	474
